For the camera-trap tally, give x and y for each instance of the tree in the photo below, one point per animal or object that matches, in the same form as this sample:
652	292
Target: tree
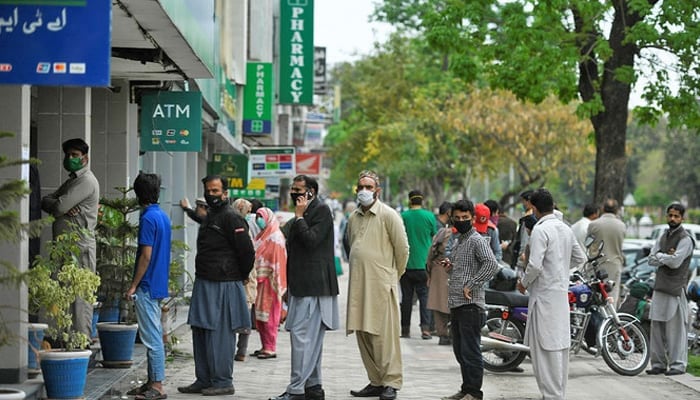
591	50
437	134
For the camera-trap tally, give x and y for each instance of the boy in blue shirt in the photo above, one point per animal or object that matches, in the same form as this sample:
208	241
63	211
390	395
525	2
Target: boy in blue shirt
150	282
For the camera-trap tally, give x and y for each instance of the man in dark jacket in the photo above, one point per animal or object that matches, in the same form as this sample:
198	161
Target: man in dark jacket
225	256
312	288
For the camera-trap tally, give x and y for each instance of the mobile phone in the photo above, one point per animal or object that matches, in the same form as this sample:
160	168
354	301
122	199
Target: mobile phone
309	195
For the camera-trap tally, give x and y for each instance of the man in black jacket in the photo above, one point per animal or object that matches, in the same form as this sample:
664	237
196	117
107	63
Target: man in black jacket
312	288
225	256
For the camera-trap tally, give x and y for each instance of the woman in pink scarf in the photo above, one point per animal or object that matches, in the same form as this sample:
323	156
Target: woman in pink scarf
271	269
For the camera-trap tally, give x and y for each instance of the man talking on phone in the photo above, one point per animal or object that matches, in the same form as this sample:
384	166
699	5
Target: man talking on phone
312	289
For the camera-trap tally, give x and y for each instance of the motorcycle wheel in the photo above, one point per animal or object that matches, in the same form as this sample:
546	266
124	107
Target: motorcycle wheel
500	360
626	358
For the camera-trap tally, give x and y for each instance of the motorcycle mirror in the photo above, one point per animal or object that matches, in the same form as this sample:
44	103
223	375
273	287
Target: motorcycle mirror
588	241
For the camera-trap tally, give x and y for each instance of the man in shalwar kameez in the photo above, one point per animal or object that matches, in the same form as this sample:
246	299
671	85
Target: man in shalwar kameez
553	250
378	257
218	308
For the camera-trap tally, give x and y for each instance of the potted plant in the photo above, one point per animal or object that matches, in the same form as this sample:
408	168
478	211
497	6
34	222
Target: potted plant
11	230
116	255
54	283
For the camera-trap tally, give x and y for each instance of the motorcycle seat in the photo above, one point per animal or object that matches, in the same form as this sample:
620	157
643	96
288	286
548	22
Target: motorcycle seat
510	298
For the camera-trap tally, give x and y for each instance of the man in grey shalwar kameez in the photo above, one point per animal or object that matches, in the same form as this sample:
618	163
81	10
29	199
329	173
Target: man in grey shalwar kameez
669	310
312	289
553	250
225	256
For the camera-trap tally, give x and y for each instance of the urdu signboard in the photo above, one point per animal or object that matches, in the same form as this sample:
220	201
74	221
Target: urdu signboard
296	80
55	42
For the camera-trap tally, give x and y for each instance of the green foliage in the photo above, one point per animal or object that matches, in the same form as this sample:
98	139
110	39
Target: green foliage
693	365
12	229
116	237
575	49
55	282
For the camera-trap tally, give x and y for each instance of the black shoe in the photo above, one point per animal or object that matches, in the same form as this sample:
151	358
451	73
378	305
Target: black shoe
194	388
289	396
444	341
656	371
314	393
368	391
389	393
517	369
218	391
672	371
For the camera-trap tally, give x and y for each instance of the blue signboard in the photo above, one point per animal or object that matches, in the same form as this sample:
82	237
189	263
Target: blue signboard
55	42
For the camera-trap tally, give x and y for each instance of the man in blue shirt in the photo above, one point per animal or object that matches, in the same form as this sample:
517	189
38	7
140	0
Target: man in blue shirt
150	282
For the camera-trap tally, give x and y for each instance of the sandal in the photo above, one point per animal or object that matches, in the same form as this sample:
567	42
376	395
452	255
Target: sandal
151	394
256	353
265	355
139	390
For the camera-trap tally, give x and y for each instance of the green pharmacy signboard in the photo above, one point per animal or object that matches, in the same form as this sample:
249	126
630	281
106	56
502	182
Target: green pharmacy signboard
171	121
258	99
296	80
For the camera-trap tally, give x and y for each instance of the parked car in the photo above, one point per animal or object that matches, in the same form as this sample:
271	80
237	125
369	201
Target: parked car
693	229
643	272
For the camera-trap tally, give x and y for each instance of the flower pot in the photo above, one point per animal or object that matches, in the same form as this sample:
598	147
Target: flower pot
64	373
95	319
11	394
109	312
117	344
35	336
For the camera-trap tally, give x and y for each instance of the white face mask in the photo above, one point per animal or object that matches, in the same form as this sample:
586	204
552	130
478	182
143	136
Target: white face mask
365	197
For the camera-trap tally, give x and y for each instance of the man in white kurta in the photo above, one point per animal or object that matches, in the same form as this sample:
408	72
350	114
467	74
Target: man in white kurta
553	250
378	257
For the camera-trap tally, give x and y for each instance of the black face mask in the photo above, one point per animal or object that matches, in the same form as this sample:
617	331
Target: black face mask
214	201
295	196
463	226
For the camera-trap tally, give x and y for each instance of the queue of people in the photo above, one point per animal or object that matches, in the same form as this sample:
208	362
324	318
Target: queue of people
444	260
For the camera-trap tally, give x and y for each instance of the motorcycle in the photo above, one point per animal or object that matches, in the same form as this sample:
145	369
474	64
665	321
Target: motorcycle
618	337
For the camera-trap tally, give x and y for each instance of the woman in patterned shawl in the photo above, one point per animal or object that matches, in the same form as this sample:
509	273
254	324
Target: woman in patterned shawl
271	269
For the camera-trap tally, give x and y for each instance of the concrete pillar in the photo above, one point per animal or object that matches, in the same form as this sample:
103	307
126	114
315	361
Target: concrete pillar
15	103
111	150
62	113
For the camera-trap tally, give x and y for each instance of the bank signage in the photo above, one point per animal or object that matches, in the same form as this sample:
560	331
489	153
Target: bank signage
272	162
232	167
258	99
171	121
55	42
296	80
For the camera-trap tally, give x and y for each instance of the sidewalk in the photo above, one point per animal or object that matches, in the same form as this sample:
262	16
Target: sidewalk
430	372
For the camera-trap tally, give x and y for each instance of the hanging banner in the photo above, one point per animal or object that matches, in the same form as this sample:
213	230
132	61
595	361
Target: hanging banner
272	161
232	167
320	80
258	99
59	42
296	52
171	121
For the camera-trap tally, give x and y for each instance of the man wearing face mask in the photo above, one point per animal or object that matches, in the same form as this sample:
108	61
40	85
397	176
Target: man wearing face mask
312	289
74	205
218	308
378	255
669	310
470	263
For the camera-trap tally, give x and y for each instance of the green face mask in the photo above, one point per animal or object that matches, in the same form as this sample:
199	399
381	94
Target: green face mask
73	164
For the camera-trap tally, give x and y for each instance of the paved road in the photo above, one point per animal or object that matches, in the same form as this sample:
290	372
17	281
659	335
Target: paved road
430	372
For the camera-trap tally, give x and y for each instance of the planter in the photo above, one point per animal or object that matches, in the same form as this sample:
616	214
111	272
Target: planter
35	336
109	312
64	373
11	394
117	344
95	319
